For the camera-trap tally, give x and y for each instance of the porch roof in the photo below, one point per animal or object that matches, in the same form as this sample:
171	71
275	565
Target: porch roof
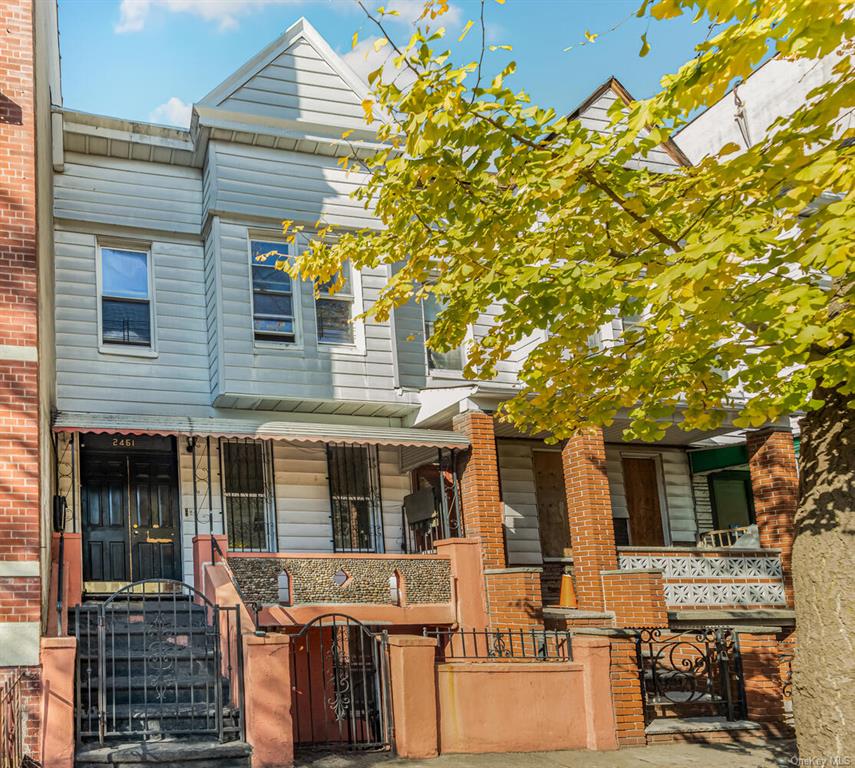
254	427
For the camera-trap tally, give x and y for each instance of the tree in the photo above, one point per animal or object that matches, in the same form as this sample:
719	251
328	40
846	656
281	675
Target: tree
484	197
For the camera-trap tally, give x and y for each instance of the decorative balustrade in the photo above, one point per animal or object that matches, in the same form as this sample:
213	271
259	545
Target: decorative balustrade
712	578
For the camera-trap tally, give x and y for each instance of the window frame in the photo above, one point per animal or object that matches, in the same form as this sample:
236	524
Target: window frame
267	494
444	373
343	296
377	534
296	295
119	348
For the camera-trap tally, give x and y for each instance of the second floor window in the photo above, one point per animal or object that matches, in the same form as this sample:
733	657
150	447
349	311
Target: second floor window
334	311
125	297
452	360
273	301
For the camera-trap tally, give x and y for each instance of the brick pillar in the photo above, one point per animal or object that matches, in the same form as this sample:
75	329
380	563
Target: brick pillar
637	597
20	590
761	670
775	486
483	516
626	693
589	509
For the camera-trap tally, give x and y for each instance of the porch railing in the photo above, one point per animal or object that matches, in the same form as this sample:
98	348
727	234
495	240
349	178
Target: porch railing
506	644
693	673
433	514
702	577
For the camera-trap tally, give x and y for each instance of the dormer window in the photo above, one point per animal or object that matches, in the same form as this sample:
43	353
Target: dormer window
335	310
272	294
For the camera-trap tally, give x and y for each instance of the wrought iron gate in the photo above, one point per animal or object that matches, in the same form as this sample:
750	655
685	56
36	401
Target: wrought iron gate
158	658
691	673
340	686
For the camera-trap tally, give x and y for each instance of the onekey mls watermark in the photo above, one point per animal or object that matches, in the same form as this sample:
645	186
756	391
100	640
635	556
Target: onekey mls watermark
825	761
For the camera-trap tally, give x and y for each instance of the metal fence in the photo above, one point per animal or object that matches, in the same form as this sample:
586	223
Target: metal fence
13	719
158	658
507	644
693	673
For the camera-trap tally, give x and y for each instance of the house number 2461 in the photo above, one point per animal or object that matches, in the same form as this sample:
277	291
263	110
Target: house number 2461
123	442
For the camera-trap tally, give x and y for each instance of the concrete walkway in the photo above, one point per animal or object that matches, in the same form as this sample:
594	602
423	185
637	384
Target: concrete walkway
745	755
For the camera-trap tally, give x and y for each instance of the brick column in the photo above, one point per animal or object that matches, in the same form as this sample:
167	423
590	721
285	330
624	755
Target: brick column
483	516
20	590
761	670
637	597
589	509
626	693
775	486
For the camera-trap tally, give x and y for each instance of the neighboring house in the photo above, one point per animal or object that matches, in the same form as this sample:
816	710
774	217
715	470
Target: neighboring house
291	483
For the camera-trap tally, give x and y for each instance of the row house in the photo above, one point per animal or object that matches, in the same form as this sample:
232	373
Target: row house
236	471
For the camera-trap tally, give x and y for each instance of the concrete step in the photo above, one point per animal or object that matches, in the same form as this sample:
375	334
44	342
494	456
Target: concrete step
166	753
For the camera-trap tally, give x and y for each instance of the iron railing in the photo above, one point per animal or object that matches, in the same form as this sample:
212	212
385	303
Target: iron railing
340	686
445	520
508	644
356	500
13	719
157	658
697	672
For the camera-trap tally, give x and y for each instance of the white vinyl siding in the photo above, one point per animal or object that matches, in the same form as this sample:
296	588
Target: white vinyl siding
129	193
308	370
175	382
299	85
520	502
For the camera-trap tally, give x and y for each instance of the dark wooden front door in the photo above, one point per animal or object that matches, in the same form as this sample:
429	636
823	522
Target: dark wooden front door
104	496
552	521
129	492
155	543
641	485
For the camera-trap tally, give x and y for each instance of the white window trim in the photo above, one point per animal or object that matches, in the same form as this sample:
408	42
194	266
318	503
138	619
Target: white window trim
447	373
296	297
660	484
126	350
358	347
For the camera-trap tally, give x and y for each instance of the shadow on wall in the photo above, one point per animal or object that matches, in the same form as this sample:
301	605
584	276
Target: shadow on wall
10	112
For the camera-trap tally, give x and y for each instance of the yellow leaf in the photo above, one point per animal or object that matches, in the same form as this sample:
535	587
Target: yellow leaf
379	43
645	46
465	31
591	36
347	133
368	108
355	40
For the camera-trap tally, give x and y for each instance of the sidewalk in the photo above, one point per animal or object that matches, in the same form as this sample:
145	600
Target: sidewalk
746	755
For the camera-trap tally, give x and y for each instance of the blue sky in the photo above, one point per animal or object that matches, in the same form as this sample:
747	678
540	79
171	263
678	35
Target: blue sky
151	59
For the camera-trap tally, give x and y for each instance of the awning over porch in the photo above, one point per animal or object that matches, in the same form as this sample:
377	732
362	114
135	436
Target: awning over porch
254	427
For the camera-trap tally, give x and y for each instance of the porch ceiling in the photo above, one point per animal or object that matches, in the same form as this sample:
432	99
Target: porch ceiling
254	427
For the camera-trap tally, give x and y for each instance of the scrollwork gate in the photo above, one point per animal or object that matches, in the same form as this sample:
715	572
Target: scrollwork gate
697	672
158	659
340	691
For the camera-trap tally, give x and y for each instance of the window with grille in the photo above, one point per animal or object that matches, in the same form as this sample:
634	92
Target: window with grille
355	500
125	297
247	482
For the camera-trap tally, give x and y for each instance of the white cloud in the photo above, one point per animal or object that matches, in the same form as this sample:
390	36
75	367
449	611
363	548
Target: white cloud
133	14
172	112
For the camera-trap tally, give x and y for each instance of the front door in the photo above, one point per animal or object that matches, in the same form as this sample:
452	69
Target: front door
641	485
551	503
129	493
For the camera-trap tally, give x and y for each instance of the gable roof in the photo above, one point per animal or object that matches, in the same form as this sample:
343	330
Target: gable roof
593	114
298	77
